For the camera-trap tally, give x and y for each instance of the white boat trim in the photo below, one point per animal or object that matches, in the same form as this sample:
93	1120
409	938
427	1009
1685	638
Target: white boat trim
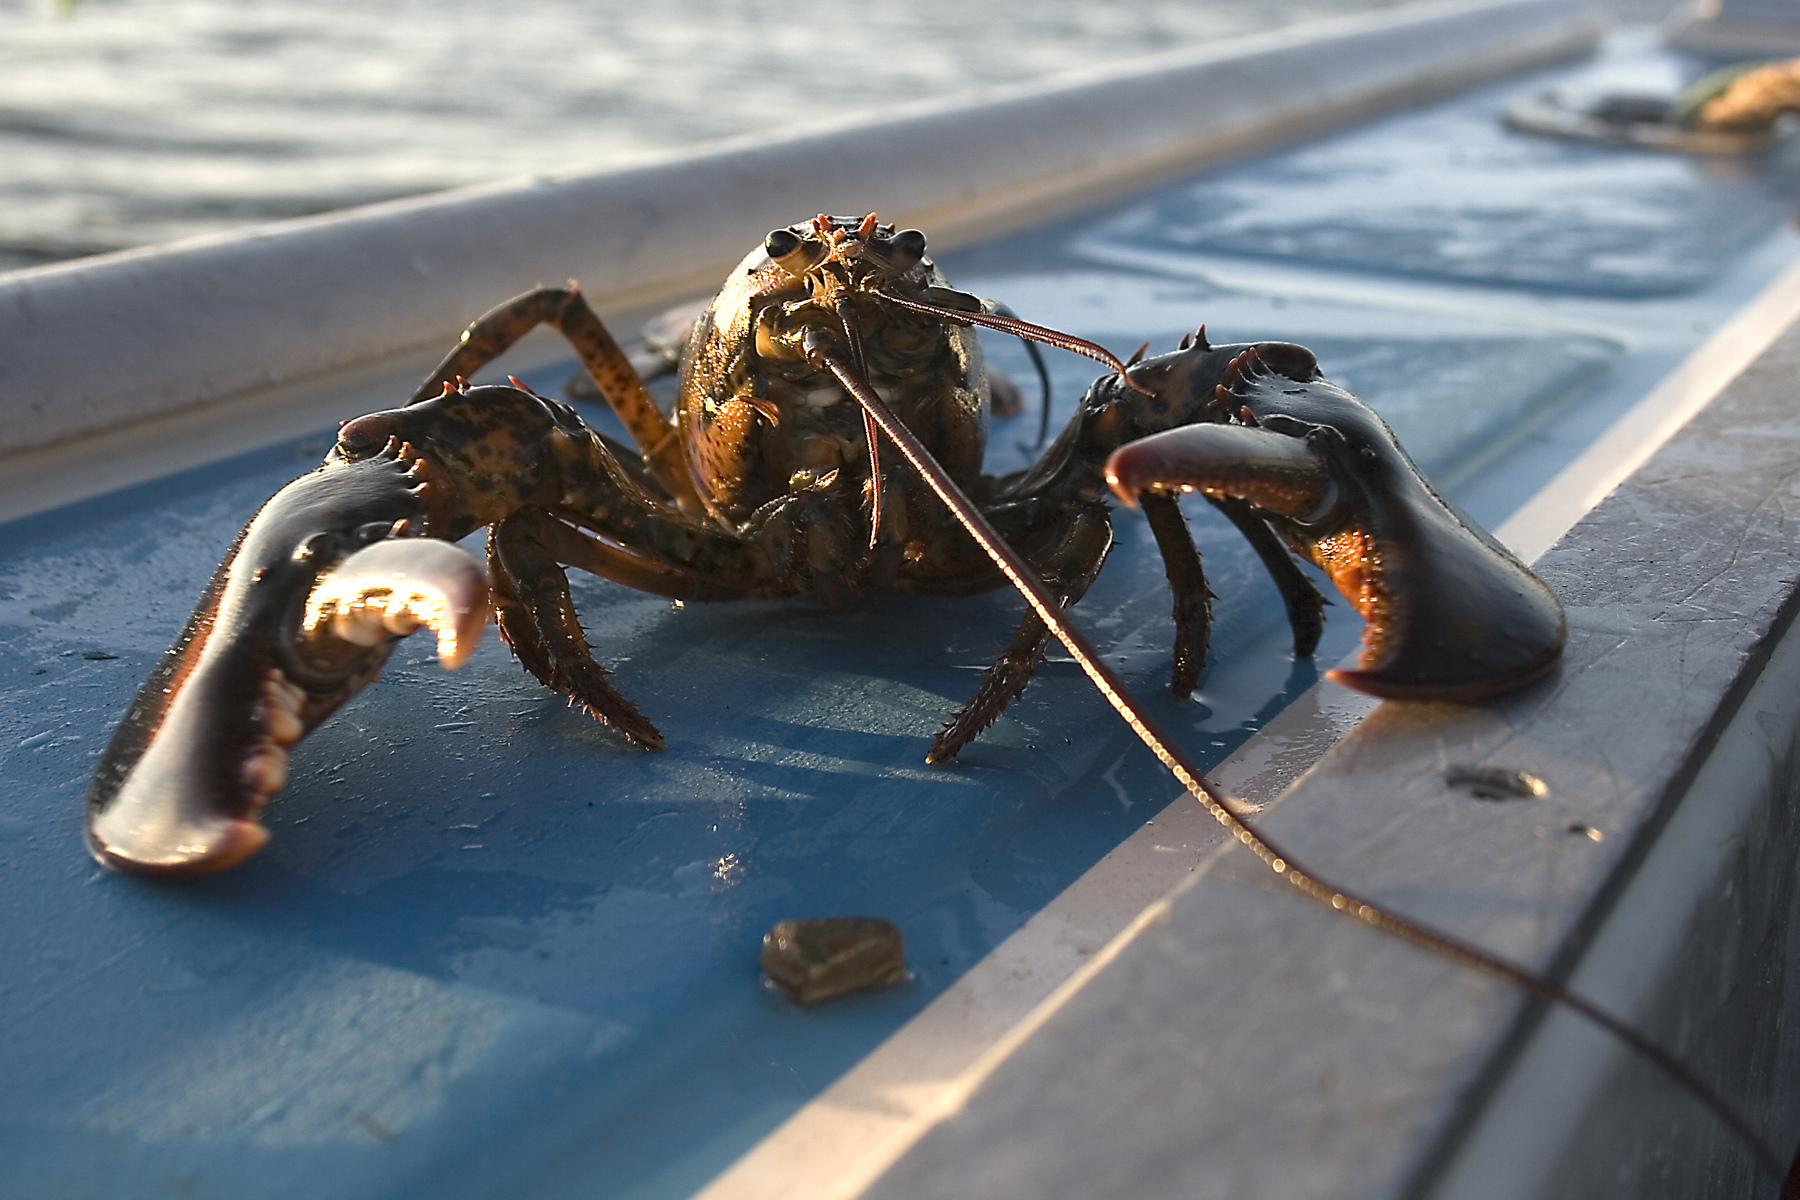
1625	447
126	338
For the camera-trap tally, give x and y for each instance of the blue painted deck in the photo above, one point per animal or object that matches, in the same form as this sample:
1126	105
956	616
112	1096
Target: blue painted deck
491	950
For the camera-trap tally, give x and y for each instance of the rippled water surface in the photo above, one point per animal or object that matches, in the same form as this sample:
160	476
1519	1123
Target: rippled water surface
124	122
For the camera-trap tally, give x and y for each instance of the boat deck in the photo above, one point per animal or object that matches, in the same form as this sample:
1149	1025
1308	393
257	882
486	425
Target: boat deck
492	950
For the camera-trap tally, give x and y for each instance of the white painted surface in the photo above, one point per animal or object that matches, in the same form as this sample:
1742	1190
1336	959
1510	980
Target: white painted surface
1539	1115
1635	437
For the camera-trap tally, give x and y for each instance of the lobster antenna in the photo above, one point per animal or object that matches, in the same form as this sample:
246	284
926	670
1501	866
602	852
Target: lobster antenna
1022	329
860	363
1219	803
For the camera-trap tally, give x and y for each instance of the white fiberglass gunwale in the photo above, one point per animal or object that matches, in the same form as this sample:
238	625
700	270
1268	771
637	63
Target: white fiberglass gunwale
265	318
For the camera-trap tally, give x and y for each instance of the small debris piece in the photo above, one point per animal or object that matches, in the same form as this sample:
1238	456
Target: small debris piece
1497	783
1644	122
823	958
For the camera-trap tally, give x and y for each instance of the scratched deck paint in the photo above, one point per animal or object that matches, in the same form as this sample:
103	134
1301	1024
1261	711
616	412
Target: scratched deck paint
492	950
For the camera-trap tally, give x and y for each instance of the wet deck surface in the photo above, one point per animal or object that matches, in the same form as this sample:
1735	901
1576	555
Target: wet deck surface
493	950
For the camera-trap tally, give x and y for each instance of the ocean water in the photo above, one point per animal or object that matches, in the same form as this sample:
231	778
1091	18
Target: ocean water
124	122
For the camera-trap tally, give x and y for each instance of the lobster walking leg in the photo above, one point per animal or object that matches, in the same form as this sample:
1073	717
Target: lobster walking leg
1068	569
1305	606
567	311
1193	597
537	620
1187	585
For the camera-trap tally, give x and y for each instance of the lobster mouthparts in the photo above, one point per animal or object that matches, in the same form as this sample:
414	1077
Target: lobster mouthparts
296	620
1451	614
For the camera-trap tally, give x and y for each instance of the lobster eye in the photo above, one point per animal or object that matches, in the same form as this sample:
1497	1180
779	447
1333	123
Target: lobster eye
792	253
781	243
908	247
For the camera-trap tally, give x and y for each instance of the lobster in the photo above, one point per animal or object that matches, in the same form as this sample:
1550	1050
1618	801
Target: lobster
766	482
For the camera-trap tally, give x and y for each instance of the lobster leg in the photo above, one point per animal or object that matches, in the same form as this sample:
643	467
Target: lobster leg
528	550
1187	584
1193	597
503	450
1305	606
568	312
1068	568
806	538
537	620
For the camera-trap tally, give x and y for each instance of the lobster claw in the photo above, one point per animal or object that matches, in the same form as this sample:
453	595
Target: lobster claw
297	619
1451	614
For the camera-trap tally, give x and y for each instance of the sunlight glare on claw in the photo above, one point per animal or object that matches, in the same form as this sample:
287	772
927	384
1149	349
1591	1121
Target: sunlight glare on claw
393	587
